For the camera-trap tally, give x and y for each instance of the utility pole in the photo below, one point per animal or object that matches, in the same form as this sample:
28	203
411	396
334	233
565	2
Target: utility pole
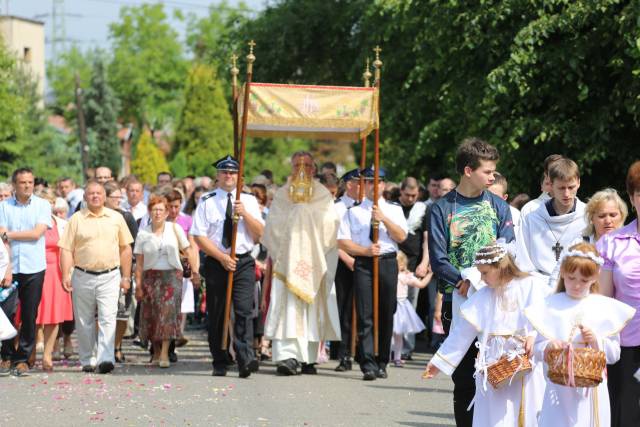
82	129
58	28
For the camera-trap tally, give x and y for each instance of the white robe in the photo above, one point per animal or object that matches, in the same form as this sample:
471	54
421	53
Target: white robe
538	234
300	317
495	318
534	204
554	319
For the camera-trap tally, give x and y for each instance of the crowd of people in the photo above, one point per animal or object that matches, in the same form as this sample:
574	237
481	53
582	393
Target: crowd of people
474	276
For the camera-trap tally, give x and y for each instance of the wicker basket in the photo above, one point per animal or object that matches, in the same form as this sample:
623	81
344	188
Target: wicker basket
504	370
588	365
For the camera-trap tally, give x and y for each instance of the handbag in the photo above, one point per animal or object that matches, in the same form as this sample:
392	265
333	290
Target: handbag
184	261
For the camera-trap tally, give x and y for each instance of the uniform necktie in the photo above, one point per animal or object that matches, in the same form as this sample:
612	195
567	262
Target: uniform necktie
227	229
371	231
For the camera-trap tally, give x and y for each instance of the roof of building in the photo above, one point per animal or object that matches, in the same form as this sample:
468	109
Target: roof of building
20	18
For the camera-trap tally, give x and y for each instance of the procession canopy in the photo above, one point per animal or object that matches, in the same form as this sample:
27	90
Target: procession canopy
337	113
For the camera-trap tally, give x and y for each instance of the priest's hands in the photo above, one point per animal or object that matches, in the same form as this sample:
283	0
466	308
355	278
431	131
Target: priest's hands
463	287
589	336
528	346
430	371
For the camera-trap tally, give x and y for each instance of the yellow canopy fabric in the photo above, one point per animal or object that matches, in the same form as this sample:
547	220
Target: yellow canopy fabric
314	112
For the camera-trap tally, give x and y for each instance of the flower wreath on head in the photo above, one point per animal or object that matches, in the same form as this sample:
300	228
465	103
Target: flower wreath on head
589	255
495	251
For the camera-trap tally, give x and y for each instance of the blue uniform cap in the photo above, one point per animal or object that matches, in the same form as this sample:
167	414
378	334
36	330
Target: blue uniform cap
227	163
369	172
352	174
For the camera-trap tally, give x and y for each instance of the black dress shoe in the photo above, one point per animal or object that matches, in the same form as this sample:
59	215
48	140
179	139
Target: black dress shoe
382	373
253	366
345	365
173	357
287	367
244	372
105	367
369	376
88	369
219	371
309	369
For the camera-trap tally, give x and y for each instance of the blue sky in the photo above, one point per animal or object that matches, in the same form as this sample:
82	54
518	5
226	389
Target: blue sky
87	21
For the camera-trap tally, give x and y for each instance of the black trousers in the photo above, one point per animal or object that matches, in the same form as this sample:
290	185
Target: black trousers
464	385
242	299
624	389
29	291
344	295
363	288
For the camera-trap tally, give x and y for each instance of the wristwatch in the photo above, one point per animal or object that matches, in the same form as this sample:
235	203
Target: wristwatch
126	279
4	237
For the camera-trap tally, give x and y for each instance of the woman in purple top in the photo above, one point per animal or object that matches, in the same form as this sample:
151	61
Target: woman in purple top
620	278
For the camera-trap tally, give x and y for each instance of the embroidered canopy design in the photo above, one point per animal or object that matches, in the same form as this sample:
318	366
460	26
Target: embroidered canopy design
314	112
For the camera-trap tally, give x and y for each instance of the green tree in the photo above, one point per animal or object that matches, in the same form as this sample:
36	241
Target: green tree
148	160
61	78
12	109
101	108
147	70
205	129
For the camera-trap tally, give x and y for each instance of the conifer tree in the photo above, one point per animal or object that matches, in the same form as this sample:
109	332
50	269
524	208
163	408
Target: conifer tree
205	130
101	109
148	160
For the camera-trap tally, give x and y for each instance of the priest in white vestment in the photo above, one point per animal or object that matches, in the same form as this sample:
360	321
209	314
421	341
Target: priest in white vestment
300	236
554	225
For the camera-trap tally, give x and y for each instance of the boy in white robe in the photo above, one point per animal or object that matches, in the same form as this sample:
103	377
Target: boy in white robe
575	316
494	314
545	232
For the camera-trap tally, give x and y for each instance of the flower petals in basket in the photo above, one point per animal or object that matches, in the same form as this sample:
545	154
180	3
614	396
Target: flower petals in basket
508	369
575	367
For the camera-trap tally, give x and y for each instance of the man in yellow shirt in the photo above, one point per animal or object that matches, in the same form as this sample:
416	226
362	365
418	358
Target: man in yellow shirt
96	244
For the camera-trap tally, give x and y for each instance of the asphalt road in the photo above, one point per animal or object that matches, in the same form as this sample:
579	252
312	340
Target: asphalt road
137	394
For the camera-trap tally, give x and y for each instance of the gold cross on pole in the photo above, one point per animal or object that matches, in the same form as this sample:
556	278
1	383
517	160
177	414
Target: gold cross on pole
251	44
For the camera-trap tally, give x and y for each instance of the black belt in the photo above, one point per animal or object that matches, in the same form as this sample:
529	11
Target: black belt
97	273
238	256
381	256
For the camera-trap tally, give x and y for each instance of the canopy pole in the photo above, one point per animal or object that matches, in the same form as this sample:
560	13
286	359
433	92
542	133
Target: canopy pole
376	226
243	142
366	76
234	87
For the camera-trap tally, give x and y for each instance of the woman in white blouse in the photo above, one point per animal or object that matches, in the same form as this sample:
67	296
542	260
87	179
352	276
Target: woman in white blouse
159	271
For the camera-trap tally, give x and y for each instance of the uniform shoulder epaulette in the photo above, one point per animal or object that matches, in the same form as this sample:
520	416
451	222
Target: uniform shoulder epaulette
394	202
207	196
355	204
248	192
338	200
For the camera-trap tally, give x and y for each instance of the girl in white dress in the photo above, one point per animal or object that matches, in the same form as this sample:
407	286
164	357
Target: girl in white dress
495	316
578	314
405	319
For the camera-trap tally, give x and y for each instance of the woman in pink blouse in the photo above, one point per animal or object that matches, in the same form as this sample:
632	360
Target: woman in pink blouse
620	278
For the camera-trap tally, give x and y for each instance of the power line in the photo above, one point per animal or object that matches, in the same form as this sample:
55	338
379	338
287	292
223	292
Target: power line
177	4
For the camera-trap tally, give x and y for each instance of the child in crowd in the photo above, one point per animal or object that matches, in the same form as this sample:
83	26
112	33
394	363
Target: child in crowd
576	316
495	315
405	319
